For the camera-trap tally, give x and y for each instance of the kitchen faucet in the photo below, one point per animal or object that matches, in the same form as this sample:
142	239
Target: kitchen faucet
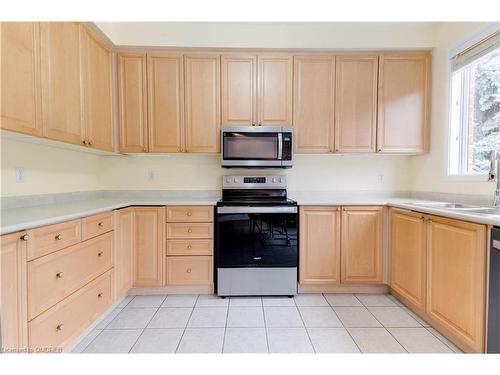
494	174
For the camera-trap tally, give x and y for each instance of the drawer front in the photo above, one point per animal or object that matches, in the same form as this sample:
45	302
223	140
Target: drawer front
55	276
190	247
188	270
189	230
96	225
61	324
46	240
190	214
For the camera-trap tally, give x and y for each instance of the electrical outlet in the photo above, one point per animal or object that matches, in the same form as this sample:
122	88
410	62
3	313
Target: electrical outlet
19	174
380	178
151	175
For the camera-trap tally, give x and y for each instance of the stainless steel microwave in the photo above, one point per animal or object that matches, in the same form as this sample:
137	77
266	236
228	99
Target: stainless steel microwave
256	146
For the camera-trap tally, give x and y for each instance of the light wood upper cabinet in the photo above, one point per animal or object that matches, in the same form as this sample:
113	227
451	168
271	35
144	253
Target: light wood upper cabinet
356	103
408	236
313	106
202	103
123	252
239	89
319	245
456	280
274	90
13	290
133	102
403	102
20	77
362	244
149	243
165	103
97	84
60	46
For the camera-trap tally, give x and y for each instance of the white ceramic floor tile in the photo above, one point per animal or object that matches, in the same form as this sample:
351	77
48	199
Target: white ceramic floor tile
146	301
289	340
278	301
125	302
332	340
419	340
202	340
211	300
310	300
375	300
245	301
108	319
208	317
80	347
319	317
245	340
158	341
342	300
114	341
375	340
395	300
282	317
444	340
180	300
132	318
356	317
245	317
416	317
171	317
393	317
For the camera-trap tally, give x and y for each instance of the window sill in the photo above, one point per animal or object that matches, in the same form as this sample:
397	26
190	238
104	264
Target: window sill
468	177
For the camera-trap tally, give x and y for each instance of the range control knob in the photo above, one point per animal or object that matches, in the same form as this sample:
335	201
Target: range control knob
274	180
235	180
280	179
228	180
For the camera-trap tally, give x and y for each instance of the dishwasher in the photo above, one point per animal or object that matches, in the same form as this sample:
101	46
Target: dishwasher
494	293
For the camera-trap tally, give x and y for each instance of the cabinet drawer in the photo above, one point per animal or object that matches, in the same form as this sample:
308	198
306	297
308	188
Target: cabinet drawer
55	276
190	230
61	324
190	214
189	270
46	240
96	225
190	247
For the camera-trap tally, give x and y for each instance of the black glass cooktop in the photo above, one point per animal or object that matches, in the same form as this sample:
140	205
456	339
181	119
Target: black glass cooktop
256	202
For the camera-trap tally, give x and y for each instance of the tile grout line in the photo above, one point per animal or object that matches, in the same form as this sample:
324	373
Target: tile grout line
225	326
304	323
442	341
149	321
184	331
265	324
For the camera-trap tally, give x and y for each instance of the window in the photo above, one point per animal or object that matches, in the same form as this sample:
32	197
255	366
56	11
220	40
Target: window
475	107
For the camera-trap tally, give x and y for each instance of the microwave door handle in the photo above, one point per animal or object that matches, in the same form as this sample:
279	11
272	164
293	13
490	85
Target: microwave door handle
280	146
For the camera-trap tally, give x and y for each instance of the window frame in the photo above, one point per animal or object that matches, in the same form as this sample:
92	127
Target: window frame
452	51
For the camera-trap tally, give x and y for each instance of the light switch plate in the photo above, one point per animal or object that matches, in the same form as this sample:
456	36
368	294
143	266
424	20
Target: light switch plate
19	174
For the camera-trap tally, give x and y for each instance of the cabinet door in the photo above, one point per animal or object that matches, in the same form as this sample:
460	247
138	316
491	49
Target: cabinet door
148	246
21	100
356	103
13	289
456	285
97	84
408	257
62	103
165	103
403	102
239	89
202	104
319	245
124	246
313	114
362	246
132	102
275	90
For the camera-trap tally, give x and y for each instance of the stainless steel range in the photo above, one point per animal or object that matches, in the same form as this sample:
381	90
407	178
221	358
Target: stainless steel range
256	237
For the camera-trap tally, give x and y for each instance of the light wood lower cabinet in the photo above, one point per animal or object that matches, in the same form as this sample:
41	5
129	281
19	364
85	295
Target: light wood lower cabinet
13	292
189	270
149	246
123	252
319	257
362	245
456	280
408	237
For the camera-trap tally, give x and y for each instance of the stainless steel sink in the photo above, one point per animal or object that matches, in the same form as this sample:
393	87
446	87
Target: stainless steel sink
483	210
442	205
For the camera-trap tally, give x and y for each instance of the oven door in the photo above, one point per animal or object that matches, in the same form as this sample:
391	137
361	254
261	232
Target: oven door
245	146
256	237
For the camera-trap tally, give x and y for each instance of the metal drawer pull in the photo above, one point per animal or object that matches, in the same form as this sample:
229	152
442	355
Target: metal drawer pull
189	247
100	224
59	275
25	237
99	295
99	254
189	213
188	270
190	230
496	244
59	237
60	327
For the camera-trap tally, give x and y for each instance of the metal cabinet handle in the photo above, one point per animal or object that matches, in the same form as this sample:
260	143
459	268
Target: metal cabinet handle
25	237
60	327
99	254
189	247
189	213
59	275
188	270
59	237
99	295
190	230
100	224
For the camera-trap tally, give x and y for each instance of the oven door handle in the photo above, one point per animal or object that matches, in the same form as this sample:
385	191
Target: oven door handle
256	210
280	146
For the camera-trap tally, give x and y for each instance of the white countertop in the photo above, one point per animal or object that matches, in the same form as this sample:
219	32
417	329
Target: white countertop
13	220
